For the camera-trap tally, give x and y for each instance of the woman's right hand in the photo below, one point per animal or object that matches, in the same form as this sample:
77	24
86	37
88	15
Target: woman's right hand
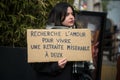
62	62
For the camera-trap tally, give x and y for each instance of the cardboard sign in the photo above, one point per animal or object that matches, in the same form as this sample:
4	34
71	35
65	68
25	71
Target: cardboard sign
53	44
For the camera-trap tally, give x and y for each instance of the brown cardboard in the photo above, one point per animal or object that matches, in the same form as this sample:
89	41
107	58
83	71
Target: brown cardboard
53	44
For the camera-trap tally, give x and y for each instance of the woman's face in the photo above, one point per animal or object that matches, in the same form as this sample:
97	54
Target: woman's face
69	19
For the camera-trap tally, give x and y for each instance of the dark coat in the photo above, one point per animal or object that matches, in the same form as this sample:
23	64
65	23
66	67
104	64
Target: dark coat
51	71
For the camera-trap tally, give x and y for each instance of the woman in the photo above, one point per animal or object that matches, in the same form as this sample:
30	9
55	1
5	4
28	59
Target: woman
60	17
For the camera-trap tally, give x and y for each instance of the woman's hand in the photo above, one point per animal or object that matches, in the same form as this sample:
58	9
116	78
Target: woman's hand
62	62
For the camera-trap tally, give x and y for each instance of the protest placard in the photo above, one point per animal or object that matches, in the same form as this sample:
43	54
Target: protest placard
51	45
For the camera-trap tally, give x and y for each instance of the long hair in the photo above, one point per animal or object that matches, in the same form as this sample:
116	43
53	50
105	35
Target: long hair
58	13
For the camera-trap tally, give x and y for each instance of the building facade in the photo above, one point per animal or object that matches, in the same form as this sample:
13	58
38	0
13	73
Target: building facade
88	5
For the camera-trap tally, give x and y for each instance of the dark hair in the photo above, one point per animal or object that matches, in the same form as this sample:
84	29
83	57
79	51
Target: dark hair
58	13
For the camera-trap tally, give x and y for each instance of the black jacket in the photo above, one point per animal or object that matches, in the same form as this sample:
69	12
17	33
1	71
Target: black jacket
51	71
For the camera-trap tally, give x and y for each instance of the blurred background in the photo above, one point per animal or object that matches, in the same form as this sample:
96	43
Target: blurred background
18	15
